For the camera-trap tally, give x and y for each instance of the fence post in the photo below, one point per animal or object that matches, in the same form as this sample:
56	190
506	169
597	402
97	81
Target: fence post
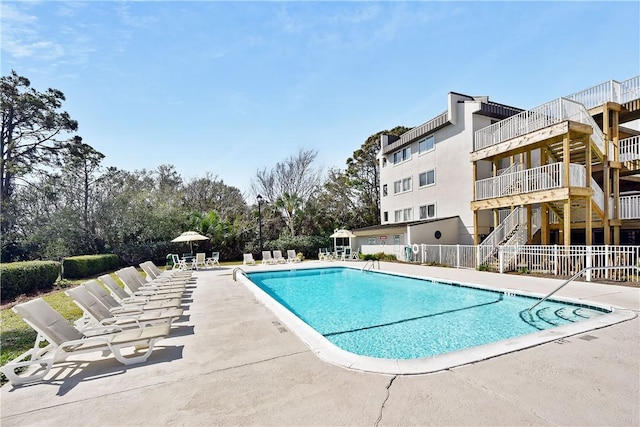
500	259
606	261
588	263
439	254
458	256
555	259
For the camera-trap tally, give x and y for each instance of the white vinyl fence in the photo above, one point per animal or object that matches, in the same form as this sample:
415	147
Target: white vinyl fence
563	261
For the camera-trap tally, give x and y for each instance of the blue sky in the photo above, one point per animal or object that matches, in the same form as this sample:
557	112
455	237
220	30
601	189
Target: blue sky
233	87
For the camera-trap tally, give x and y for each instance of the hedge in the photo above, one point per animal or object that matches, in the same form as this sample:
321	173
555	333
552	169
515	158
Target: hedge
79	267
26	277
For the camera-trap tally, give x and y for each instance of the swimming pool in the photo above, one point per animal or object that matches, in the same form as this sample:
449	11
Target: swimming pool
389	323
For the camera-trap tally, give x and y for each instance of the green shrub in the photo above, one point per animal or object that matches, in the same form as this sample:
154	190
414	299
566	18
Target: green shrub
26	277
79	267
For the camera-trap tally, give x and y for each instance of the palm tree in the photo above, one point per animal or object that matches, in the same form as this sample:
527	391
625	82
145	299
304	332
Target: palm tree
289	205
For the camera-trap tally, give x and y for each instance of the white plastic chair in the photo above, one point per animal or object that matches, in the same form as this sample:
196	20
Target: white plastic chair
214	260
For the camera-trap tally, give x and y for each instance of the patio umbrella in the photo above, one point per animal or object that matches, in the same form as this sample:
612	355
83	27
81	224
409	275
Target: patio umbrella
190	236
342	234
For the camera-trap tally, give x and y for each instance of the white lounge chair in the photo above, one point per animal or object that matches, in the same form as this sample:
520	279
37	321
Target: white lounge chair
278	258
154	273
115	306
96	314
292	256
136	285
267	258
247	259
64	340
120	294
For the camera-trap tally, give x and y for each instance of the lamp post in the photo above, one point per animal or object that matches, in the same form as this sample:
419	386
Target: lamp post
259	199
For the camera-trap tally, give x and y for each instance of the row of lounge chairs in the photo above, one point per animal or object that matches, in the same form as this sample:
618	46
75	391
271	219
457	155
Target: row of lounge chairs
126	322
267	258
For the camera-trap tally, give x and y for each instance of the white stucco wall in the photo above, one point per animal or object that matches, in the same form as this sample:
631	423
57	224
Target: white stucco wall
453	189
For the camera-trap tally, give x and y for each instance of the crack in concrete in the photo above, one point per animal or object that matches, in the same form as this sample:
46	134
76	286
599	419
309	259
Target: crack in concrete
385	401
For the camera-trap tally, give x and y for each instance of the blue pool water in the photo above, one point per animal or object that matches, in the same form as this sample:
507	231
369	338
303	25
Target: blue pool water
395	317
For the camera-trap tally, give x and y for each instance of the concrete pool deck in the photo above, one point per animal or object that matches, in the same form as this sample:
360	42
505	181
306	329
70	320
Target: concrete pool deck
231	362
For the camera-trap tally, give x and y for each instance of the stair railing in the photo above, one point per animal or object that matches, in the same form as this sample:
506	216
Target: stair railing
240	270
579	273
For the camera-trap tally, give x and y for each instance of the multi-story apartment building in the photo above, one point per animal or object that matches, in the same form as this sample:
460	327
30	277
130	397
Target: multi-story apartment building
567	171
425	176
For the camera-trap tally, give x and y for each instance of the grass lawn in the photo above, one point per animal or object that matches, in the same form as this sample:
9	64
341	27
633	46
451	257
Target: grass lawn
16	336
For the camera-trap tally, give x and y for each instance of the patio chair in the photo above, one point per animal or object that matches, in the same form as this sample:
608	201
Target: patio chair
291	256
266	257
200	260
155	275
64	340
214	260
348	255
323	254
121	295
134	306
96	314
135	285
162	283
278	258
247	259
153	272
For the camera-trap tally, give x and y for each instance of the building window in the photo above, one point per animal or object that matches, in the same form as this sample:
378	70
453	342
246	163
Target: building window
385	215
428	211
406	184
403	215
427	178
426	144
401	186
384	190
402	155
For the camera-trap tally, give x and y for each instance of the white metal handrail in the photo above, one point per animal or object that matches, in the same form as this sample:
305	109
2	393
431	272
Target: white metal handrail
629	207
630	149
545	115
578	274
236	270
609	91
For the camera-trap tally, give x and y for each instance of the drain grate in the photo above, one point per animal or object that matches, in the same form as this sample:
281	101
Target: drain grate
561	341
278	325
588	337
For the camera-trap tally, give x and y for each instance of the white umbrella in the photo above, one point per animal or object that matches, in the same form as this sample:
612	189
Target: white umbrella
190	236
342	234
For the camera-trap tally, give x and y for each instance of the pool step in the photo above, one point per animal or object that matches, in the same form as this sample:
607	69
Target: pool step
545	317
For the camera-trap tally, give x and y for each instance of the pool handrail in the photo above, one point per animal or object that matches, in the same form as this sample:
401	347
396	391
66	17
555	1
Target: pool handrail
235	270
373	265
579	273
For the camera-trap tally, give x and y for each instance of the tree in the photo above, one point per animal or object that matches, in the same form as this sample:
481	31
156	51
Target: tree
34	132
289	185
363	175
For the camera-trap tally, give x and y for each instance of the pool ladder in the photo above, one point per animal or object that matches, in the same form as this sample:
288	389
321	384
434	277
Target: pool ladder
579	273
235	273
370	265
